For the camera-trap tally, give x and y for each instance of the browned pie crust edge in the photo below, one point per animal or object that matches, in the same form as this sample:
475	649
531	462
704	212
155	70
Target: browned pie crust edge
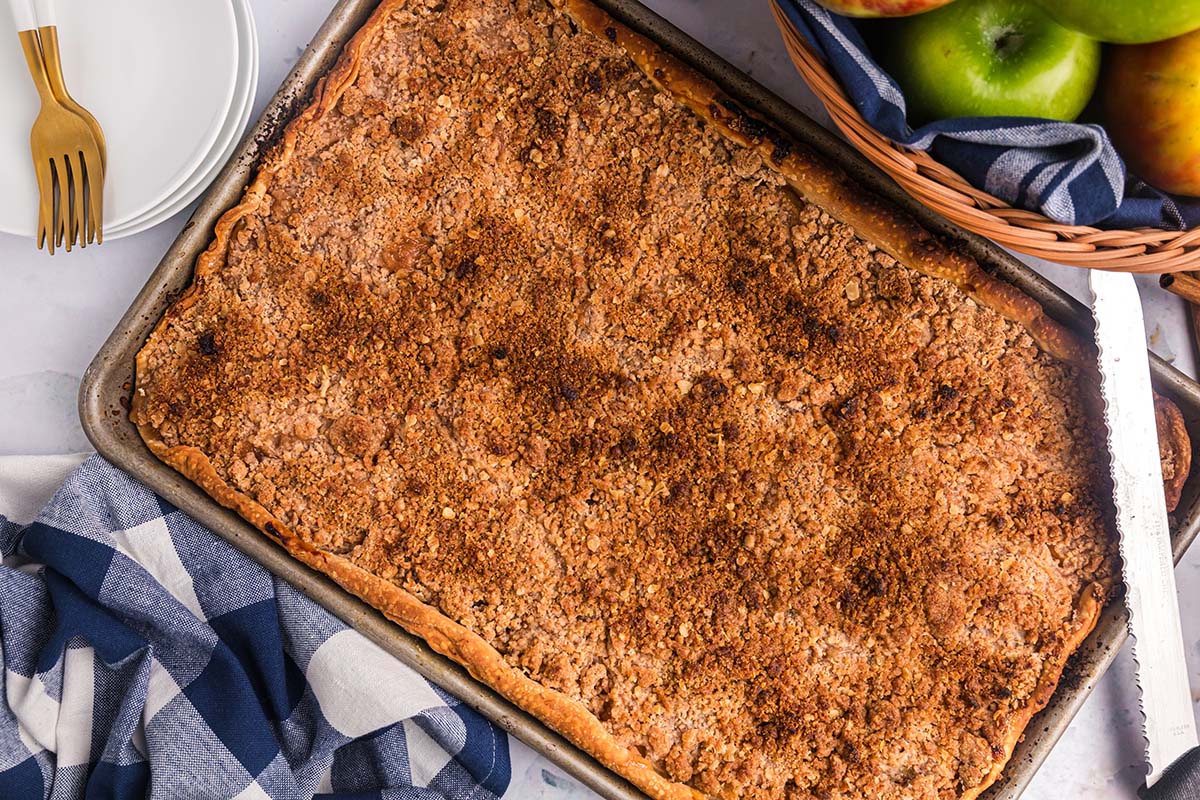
1175	450
818	182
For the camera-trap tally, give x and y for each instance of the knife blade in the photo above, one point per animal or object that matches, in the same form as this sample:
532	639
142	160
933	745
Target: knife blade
1141	516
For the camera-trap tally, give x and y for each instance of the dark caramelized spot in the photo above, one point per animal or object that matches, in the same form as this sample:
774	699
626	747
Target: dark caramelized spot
207	344
679	491
712	389
407	128
549	124
743	122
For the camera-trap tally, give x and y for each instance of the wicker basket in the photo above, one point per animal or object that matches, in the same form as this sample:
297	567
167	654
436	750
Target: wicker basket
1144	250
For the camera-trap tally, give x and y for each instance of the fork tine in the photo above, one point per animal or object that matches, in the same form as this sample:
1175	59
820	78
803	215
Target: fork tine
78	207
89	190
45	182
96	191
62	193
87	233
67	204
75	224
64	204
60	196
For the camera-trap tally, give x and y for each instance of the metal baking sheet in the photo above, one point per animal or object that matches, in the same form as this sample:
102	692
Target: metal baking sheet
104	397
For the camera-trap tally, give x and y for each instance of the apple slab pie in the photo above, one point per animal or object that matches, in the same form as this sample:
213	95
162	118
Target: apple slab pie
650	417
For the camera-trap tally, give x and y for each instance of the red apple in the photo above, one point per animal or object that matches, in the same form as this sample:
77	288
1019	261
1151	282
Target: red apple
881	8
1152	109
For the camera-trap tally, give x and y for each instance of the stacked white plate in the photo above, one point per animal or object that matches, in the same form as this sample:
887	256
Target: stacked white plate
172	84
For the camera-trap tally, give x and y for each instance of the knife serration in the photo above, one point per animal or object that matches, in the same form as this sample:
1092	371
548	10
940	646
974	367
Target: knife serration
1141	516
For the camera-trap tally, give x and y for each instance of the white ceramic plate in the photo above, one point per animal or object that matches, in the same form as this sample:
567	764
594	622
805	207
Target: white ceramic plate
228	140
158	75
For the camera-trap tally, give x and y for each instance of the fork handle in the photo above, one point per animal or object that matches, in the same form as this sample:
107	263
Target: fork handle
45	13
23	14
37	66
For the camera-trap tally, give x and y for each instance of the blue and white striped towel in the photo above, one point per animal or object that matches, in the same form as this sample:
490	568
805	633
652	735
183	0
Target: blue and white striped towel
144	657
1069	172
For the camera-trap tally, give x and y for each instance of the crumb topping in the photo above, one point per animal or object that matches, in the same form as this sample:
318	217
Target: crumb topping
517	333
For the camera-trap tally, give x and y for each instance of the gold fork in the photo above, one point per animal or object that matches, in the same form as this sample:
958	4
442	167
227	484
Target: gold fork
66	157
48	34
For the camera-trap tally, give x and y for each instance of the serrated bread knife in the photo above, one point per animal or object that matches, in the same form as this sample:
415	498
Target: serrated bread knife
1166	700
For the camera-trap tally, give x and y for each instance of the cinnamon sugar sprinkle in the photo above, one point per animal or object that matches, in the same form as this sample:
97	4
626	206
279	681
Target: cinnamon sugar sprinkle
520	335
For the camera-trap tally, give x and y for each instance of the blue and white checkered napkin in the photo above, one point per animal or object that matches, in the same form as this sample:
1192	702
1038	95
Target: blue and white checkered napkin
1069	172
144	657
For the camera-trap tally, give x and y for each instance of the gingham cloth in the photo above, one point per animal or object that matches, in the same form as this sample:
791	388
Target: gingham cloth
144	657
1069	172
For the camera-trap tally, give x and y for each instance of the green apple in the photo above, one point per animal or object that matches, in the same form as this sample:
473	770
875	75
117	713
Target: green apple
987	58
1127	21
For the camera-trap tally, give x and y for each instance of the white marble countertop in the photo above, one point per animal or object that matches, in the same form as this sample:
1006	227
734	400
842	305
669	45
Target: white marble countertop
55	313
